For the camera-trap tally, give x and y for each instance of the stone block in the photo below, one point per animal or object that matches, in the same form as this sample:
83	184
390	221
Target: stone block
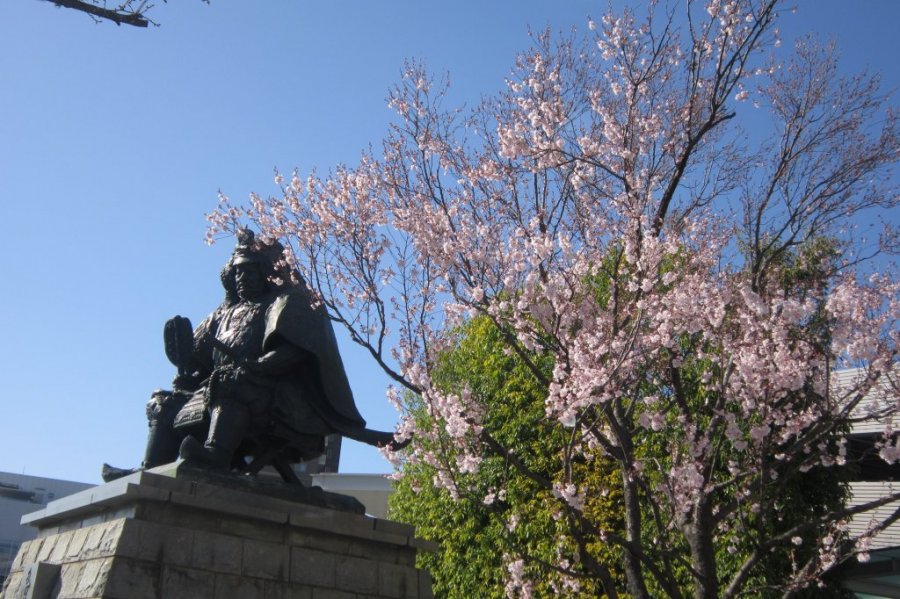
26	555
60	546
47	547
313	568
312	539
398	581
94	541
331	521
373	551
107	515
70	576
357	575
91	578
332	594
383	552
94	520
132	579
13	587
223	506
187	583
406	557
237	587
76	543
285	590
425	585
50	530
69	526
216	552
349	525
126	541
164	544
301	511
266	560
173	515
395	528
388	538
257	530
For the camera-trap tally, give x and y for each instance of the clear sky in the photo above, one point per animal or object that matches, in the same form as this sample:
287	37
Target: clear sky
114	142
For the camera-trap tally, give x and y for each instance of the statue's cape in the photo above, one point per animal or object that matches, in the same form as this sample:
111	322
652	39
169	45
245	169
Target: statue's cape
292	319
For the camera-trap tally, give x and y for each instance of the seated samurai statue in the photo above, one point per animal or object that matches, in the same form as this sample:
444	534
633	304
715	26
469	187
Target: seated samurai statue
260	378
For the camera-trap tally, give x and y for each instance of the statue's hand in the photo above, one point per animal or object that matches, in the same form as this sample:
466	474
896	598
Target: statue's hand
256	367
243	372
281	360
232	374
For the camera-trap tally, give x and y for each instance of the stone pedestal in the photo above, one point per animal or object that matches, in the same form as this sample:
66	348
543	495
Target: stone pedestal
173	535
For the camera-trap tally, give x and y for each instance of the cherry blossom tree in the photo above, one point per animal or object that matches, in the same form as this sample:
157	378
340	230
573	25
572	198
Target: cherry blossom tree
669	209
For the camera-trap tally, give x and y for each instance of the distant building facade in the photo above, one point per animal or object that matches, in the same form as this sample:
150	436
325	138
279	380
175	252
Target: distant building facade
22	494
329	461
877	577
372	490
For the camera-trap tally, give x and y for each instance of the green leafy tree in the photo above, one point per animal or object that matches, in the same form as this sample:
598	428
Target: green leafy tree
479	527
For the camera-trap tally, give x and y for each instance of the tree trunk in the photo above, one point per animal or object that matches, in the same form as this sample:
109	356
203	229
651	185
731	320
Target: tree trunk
633	570
703	555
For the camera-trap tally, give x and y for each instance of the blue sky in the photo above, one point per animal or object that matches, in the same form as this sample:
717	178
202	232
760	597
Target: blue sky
114	142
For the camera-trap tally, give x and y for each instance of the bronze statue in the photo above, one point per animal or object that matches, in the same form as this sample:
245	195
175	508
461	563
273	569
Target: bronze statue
260	378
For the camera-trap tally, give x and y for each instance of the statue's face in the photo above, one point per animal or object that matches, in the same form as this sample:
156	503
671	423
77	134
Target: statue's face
249	281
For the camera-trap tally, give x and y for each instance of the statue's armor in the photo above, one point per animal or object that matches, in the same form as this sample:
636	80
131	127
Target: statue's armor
312	400
262	373
241	327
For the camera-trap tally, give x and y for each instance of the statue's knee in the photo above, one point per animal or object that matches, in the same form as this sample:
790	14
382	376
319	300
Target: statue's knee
154	404
163	407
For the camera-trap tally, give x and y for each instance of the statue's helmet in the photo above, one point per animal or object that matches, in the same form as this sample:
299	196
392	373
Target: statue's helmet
269	256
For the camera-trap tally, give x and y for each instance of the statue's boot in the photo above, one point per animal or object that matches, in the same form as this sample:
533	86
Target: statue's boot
162	448
162	445
227	428
109	473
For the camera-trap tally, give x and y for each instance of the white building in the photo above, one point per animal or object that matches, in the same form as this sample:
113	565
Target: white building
372	490
880	576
